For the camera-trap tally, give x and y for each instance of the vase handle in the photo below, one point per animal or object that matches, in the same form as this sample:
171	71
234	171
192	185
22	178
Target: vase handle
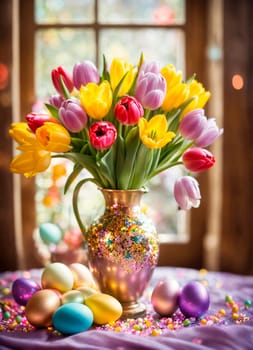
75	202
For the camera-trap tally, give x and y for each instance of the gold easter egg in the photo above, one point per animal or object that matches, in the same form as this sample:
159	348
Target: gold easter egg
82	276
57	276
41	306
105	308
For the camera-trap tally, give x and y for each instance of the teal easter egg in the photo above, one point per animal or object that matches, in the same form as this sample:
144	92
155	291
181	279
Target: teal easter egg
72	318
50	233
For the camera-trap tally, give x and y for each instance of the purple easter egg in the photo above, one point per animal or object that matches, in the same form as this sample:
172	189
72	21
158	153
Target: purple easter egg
23	289
194	299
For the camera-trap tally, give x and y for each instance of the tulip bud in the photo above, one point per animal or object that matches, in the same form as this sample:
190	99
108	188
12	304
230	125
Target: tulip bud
102	135
36	120
72	115
60	73
128	110
186	192
56	100
150	90
84	73
198	159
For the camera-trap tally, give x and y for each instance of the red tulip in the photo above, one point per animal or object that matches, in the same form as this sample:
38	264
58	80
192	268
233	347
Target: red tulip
59	73
128	110
36	120
198	159
102	135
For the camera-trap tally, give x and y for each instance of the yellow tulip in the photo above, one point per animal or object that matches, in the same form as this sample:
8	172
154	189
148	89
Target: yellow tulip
96	99
31	162
21	133
201	96
175	96
171	76
153	133
118	69
53	137
177	92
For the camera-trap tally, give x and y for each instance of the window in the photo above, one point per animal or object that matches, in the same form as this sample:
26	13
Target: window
175	35
91	29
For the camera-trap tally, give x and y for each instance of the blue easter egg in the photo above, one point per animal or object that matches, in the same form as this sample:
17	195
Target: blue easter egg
50	233
72	318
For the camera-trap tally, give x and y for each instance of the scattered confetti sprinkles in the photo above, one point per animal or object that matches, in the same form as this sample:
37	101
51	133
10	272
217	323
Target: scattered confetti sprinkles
234	309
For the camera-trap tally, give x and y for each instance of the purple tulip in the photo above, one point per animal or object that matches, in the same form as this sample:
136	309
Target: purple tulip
209	134
150	66
84	73
150	90
186	192
72	115
56	100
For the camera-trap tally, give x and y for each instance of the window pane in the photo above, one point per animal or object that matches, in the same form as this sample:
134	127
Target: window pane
148	41
164	12
63	47
64	11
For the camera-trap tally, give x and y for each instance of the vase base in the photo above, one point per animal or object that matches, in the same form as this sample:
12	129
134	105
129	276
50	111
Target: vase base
133	310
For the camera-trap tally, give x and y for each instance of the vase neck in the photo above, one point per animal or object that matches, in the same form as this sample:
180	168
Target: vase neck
122	197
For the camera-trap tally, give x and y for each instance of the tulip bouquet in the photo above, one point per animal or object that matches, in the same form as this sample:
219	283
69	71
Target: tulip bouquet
124	126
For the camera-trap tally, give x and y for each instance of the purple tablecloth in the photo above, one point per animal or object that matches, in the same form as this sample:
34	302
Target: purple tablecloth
225	325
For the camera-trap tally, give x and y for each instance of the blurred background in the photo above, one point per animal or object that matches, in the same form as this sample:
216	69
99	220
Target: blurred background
212	39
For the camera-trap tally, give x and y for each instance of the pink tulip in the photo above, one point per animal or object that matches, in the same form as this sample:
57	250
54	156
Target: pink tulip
209	134
128	110
36	120
195	126
198	159
84	73
102	135
72	115
150	66
186	192
59	73
150	90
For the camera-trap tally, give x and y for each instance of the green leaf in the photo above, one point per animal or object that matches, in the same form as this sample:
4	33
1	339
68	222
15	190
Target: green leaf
52	110
141	170
105	74
86	161
126	165
107	167
76	170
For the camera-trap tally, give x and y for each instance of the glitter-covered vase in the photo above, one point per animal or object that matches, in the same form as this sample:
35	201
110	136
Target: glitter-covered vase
123	249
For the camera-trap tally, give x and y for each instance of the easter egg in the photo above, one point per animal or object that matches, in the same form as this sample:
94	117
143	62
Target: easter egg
23	289
164	298
87	291
57	275
50	233
194	299
72	318
82	276
105	308
41	306
72	296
